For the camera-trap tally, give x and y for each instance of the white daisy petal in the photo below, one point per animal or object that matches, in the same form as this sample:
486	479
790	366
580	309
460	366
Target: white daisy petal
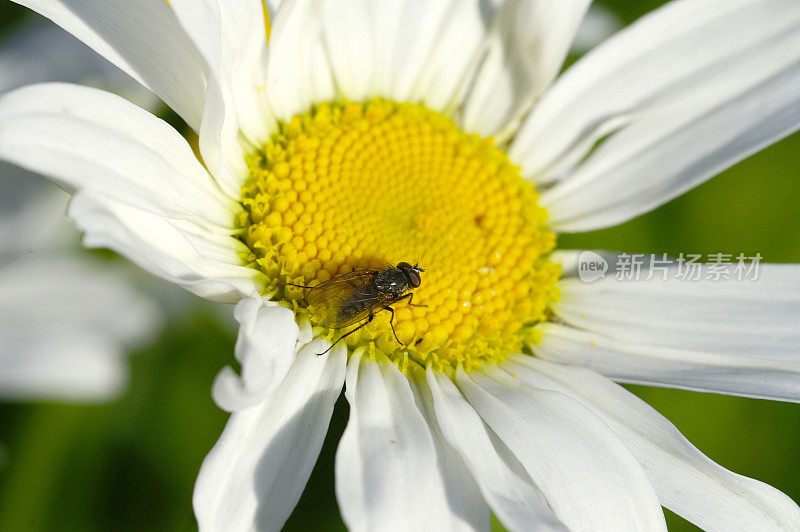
504	483
452	58
731	336
708	143
528	42
145	40
265	348
386	462
750	317
674	368
589	478
639	68
296	78
458	504
65	328
404	50
405	32
205	263
255	474
244	39
732	95
140	189
231	36
322	87
686	481
39	51
88	139
349	40
219	145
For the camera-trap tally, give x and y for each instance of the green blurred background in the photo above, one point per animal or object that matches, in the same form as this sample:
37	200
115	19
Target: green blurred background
131	464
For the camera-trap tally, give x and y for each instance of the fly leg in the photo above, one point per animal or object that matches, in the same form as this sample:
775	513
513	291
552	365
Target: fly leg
410	297
345	335
298	285
391	322
305	295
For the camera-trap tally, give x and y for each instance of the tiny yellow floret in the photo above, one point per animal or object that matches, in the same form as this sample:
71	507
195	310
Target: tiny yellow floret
348	186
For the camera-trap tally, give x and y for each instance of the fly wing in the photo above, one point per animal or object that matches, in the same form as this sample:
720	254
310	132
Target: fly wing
361	304
343	300
340	287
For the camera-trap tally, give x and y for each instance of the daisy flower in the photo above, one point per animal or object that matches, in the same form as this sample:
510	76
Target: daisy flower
343	136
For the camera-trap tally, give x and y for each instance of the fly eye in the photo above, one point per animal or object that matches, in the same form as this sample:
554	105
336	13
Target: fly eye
413	276
404	266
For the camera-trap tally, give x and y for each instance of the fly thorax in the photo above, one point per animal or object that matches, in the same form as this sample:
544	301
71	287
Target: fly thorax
391	281
354	186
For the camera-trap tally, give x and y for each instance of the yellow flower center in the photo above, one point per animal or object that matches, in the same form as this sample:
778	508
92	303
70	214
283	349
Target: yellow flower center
347	187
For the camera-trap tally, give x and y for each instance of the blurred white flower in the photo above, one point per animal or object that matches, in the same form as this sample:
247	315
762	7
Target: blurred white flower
67	320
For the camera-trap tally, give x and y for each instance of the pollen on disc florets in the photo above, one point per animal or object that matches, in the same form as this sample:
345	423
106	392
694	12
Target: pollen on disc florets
348	186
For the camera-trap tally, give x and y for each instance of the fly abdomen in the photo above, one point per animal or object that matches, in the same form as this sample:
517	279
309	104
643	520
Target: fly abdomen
361	301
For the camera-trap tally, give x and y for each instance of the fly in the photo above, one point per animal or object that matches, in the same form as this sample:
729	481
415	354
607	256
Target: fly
356	296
